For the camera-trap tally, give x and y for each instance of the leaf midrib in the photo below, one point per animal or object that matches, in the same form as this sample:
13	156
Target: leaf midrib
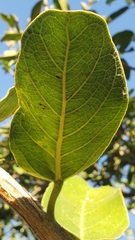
58	175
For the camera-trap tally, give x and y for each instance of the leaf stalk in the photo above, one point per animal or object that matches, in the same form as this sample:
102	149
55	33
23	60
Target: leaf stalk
52	201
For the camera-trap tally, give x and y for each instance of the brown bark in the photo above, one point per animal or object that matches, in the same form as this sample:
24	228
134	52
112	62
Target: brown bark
29	209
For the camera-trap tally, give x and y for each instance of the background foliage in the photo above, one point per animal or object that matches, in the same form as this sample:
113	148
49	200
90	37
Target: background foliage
116	167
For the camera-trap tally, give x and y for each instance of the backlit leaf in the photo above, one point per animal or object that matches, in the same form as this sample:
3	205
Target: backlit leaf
89	213
72	94
11	37
8	104
9	55
11	20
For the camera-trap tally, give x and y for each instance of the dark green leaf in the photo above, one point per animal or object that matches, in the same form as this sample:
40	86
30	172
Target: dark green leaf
36	9
131	175
72	94
126	68
123	39
8	104
61	4
131	49
116	14
110	1
11	37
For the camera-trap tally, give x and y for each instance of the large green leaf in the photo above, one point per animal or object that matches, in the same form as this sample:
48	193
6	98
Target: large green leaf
9	104
72	94
89	213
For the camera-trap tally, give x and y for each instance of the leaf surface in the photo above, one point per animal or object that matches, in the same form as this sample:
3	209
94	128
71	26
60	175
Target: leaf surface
72	94
89	213
9	104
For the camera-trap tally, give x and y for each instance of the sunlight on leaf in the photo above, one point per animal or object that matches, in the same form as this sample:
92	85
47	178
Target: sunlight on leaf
89	213
72	94
9	104
11	37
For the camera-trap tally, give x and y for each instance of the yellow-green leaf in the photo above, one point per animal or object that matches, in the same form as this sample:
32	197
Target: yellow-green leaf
9	104
89	213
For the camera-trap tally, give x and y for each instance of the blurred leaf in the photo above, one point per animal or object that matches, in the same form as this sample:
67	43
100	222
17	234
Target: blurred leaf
109	1
8	58
11	20
36	9
18	170
131	174
131	49
8	104
116	14
123	39
11	37
7	65
85	211
126	68
61	4
84	6
9	55
129	1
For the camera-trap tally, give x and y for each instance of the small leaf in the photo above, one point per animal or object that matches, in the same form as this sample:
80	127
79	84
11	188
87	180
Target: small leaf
36	9
131	174
61	4
129	1
11	20
89	213
110	1
123	39
72	94
9	104
126	68
9	55
11	37
116	14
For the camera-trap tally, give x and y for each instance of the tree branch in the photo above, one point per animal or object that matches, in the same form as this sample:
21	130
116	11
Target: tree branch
29	209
